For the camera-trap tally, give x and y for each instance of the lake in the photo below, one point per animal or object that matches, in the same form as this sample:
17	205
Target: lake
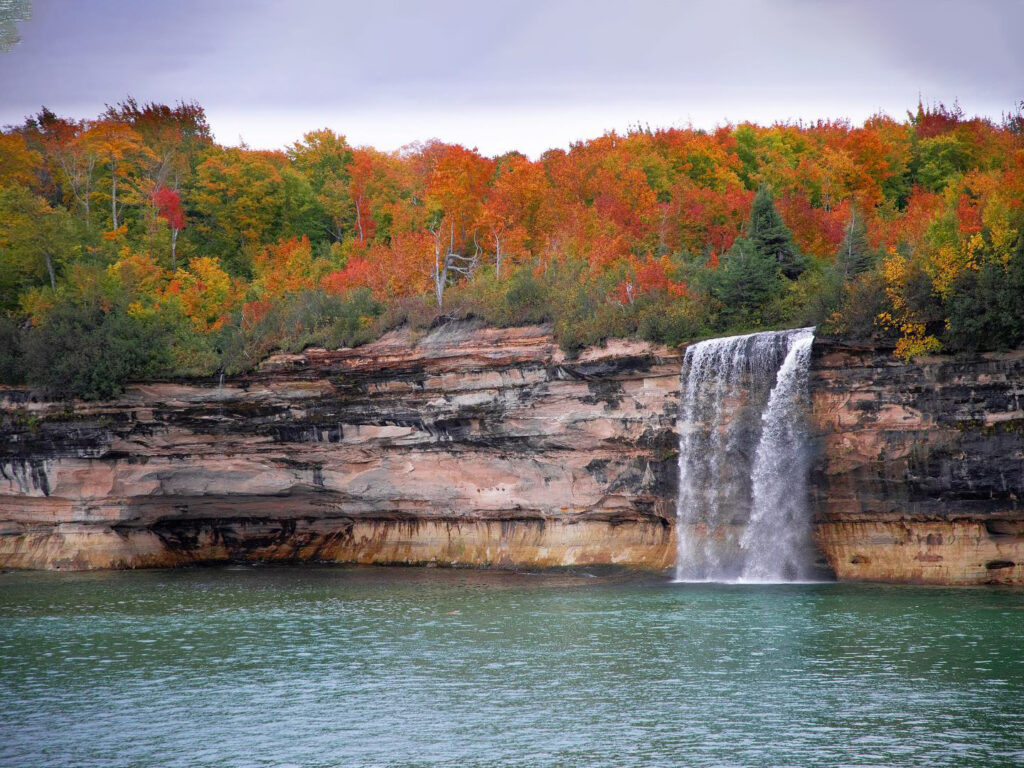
361	666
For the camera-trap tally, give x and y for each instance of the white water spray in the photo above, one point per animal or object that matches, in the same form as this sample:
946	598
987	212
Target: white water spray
742	510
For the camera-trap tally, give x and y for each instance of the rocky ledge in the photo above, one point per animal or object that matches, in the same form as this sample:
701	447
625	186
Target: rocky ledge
469	446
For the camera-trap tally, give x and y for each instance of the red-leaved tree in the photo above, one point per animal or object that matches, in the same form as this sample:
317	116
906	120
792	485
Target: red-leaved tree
168	206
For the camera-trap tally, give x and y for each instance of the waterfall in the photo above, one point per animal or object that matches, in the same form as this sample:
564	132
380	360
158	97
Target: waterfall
742	510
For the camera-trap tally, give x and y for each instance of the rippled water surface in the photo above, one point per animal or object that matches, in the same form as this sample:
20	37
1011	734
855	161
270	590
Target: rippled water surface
373	666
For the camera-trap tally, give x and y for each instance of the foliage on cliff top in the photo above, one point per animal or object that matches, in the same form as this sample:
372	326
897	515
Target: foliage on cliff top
904	230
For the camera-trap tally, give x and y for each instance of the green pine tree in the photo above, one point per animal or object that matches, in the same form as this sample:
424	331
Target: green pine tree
745	284
772	237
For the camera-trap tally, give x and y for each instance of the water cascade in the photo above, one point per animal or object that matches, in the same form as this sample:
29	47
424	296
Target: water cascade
742	512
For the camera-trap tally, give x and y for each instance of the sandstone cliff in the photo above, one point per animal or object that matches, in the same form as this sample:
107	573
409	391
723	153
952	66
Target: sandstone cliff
486	447
470	446
920	470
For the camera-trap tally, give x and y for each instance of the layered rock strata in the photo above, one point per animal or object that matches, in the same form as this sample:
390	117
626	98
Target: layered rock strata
469	446
484	447
920	470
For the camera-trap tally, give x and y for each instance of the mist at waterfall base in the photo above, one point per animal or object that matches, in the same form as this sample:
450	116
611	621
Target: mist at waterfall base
742	510
334	666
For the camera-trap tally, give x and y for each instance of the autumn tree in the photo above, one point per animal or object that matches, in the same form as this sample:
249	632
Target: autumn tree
203	292
35	241
324	157
72	159
18	163
121	151
239	194
168	205
455	193
513	212
174	135
374	185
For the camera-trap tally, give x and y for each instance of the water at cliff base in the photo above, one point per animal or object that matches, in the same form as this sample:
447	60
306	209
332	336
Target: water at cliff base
424	667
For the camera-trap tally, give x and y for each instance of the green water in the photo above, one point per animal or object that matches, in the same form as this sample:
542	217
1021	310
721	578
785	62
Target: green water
373	666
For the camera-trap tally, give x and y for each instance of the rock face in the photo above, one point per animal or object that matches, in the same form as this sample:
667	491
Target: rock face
920	471
470	446
485	447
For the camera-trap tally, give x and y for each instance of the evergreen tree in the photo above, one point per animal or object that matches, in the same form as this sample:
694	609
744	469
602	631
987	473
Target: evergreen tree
986	311
745	284
772	237
855	255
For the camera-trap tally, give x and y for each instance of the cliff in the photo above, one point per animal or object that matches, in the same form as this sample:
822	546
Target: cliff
487	447
470	446
920	468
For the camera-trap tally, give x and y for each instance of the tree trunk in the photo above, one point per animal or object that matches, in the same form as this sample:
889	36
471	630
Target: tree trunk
440	272
174	243
88	194
49	268
113	195
497	255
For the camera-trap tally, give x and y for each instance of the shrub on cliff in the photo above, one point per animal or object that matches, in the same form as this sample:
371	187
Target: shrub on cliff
862	302
84	350
986	310
520	298
10	351
298	320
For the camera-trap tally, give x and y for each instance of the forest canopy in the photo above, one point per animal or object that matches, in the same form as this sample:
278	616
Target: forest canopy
133	245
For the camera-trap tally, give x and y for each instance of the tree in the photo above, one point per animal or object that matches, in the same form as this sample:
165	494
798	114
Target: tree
18	163
239	194
174	135
121	150
771	237
745	283
986	311
855	255
374	184
324	157
35	240
71	156
455	193
168	205
204	293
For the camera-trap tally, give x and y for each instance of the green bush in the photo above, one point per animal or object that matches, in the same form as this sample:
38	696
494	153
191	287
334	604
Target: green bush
986	309
863	300
10	351
299	320
667	321
83	351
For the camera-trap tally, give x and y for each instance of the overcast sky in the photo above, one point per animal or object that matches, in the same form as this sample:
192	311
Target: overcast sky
528	74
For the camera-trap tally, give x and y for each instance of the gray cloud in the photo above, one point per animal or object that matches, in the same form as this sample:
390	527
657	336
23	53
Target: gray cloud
267	62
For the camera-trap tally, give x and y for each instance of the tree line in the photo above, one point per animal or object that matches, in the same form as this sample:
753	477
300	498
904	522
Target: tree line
133	245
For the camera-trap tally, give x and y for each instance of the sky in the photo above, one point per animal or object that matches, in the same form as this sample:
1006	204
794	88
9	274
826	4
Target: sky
496	75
